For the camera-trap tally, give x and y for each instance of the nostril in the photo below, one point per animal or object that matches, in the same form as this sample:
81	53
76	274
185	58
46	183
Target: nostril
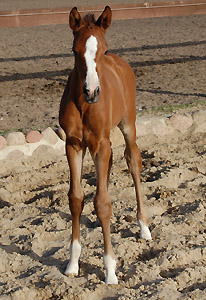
98	90
85	90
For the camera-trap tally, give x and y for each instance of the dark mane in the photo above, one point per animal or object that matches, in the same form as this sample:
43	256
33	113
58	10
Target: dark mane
89	20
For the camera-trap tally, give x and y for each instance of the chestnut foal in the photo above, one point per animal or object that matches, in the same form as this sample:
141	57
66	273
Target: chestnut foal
99	95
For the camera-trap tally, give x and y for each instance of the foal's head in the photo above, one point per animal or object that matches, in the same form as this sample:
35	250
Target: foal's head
89	48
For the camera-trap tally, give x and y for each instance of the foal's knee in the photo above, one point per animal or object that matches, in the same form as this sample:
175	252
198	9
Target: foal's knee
76	203
103	208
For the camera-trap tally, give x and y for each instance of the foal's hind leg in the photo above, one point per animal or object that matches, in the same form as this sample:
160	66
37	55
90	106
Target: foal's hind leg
75	158
134	162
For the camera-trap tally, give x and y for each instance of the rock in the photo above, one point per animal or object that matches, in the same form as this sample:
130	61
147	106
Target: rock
33	136
200	128
50	136
158	127
128	218
15	138
4	195
171	129
181	122
155	163
3	142
141	126
60	132
43	151
199	118
15	155
62	150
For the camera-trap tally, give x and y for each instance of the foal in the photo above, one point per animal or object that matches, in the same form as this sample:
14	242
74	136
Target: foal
99	95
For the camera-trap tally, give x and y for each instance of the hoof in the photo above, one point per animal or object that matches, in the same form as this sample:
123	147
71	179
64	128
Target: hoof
112	279
144	231
71	270
72	275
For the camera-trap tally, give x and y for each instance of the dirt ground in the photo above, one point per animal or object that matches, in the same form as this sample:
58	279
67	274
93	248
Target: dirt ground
168	57
36	226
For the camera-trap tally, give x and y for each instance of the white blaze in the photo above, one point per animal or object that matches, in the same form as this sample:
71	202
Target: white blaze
92	80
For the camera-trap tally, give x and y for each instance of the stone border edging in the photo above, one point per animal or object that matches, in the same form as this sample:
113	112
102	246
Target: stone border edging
17	145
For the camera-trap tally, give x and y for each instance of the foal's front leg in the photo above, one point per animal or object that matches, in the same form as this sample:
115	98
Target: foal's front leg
76	204
103	208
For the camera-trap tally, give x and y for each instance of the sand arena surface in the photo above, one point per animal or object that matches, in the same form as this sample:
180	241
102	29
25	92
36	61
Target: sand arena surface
168	57
36	226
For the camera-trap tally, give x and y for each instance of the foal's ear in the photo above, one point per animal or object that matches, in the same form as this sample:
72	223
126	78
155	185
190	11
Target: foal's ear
74	19
105	19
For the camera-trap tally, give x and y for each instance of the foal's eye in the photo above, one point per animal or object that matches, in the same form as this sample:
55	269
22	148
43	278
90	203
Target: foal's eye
106	52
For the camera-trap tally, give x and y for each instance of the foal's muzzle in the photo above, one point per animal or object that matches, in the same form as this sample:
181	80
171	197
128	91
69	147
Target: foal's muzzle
91	96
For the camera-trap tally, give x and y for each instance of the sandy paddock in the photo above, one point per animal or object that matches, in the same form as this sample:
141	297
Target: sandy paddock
168	56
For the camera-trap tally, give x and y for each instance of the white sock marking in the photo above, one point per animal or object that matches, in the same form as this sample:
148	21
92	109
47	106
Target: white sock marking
110	265
144	231
92	80
73	265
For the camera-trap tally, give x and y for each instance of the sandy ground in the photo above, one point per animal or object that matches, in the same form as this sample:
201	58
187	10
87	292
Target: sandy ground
36	227
168	56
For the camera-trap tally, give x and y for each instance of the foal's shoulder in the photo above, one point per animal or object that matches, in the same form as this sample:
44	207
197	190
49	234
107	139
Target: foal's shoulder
119	61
